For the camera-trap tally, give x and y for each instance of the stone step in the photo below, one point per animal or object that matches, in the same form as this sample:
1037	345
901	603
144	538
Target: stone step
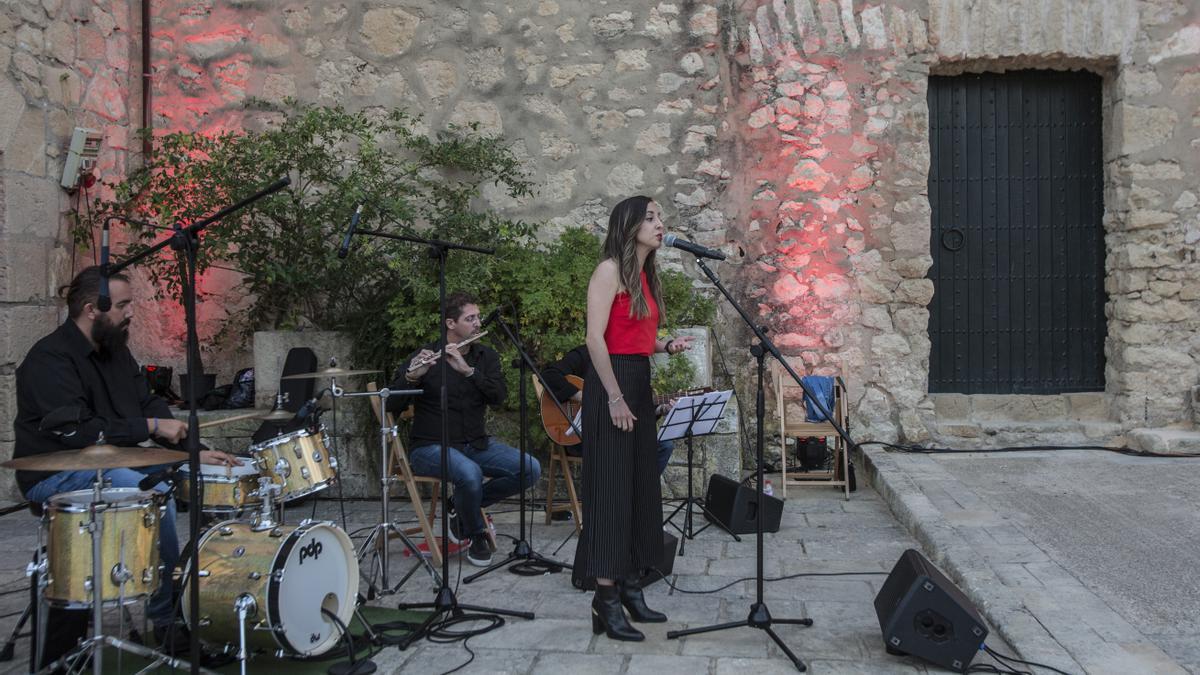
1091	406
998	433
1165	441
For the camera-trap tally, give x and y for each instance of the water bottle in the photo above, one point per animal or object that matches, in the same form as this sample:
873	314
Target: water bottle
768	489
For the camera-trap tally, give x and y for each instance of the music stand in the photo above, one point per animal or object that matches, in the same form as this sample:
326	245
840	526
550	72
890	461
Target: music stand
694	416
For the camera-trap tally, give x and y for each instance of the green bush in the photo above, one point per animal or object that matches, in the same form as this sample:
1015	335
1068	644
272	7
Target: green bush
547	284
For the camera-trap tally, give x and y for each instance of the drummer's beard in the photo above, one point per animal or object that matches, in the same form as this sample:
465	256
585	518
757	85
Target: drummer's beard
108	337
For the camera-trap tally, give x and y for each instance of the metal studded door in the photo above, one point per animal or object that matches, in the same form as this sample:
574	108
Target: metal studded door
1016	186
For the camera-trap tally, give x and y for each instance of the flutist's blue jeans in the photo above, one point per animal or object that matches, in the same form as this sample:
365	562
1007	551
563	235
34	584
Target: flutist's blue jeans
468	466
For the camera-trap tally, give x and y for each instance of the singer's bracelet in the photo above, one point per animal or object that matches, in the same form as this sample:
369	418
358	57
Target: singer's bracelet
616	400
667	347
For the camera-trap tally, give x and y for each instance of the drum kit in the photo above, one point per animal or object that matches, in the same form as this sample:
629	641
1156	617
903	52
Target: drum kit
264	586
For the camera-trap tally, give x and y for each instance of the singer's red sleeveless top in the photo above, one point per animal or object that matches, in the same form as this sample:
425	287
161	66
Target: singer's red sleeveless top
627	335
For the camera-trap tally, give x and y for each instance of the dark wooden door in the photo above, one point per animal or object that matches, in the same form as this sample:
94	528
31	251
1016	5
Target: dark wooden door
1016	186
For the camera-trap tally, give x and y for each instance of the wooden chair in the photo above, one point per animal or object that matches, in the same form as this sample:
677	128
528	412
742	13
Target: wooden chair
560	459
792	423
401	469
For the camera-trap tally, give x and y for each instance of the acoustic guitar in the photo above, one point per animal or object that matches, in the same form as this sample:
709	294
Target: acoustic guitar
557	426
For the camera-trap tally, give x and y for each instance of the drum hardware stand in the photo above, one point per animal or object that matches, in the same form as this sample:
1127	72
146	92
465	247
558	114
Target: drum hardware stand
759	616
186	240
444	604
379	541
522	553
94	646
265	519
244	605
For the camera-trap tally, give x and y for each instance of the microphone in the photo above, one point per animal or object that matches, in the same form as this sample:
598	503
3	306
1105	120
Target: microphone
104	301
306	410
345	248
495	313
166	475
693	248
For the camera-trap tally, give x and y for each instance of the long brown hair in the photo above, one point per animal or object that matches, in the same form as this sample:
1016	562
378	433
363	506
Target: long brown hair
620	244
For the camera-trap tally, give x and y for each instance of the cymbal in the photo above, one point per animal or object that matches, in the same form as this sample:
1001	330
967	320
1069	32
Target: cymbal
96	457
276	415
329	372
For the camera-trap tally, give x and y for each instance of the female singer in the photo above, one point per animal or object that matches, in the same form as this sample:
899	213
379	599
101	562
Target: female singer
622	502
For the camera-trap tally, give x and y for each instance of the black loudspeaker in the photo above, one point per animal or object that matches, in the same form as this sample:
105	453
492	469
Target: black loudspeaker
923	613
666	564
735	506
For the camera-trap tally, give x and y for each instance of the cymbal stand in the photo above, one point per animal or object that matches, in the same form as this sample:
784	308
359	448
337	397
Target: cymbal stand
377	542
94	646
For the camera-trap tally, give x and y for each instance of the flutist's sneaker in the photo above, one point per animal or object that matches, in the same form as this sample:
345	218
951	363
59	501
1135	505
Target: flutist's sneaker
480	553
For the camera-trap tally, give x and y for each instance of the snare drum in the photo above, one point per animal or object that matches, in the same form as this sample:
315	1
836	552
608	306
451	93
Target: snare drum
227	490
300	462
129	569
289	573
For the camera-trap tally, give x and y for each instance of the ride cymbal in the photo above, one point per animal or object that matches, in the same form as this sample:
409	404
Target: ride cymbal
329	372
96	457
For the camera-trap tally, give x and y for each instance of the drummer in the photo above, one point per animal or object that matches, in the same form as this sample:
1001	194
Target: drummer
75	384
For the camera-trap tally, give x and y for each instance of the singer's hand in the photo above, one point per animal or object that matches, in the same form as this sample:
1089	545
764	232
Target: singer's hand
418	373
218	458
457	362
171	430
681	344
622	416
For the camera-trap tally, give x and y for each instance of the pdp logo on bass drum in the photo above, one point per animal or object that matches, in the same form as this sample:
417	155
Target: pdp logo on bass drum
311	550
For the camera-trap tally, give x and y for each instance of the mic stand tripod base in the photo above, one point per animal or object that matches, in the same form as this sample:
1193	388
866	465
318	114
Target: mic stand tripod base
759	617
522	553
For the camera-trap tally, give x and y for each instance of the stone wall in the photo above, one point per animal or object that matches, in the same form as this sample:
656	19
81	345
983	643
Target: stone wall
790	133
63	63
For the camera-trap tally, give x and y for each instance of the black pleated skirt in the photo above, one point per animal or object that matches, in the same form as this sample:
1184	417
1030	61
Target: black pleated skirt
622	499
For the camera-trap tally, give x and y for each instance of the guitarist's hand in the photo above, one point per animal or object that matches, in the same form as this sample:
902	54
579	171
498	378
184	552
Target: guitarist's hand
622	417
681	344
665	408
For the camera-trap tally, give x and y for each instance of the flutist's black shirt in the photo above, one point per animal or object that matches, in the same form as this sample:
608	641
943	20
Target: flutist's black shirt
63	374
468	398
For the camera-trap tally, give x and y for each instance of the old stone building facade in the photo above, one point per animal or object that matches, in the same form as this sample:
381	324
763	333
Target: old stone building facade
793	134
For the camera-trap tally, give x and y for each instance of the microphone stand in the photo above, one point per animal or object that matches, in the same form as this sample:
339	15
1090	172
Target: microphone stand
759	616
444	605
185	240
522	551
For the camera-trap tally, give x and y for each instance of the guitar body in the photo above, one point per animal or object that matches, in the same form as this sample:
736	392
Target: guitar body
556	425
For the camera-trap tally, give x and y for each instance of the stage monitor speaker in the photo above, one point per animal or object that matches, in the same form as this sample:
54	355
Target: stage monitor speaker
735	506
924	614
666	564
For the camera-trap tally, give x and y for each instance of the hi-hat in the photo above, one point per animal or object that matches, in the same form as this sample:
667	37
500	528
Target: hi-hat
96	457
329	372
276	415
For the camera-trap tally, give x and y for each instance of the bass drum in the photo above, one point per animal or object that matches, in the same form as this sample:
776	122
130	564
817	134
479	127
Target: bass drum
290	574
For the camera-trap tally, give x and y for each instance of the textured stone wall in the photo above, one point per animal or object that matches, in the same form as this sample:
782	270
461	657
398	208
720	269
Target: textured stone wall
790	133
63	63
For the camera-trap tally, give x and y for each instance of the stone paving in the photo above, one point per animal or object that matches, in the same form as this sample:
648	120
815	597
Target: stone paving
1084	560
820	532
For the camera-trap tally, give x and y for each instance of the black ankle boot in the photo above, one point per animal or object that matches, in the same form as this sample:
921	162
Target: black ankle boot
609	618
634	601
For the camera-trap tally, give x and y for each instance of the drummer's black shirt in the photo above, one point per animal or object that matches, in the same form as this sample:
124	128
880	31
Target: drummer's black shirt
468	398
64	373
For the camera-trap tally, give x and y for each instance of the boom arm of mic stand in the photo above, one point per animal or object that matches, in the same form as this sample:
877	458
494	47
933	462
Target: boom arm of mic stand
774	351
195	228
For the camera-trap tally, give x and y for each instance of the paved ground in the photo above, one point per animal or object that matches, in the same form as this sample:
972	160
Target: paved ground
820	533
1082	560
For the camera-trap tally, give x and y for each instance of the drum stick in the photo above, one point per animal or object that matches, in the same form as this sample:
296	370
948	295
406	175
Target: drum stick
228	420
